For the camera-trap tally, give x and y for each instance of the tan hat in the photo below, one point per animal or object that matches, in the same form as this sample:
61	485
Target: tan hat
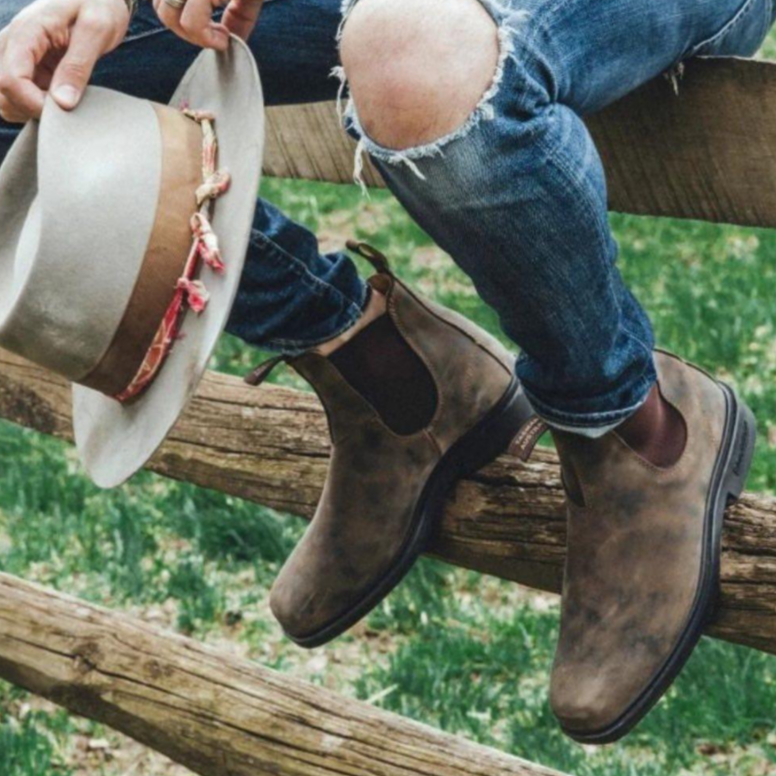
123	233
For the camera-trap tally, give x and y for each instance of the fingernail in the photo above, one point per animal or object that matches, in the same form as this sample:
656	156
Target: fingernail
67	96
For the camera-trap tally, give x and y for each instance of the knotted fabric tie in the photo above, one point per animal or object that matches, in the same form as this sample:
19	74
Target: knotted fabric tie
190	292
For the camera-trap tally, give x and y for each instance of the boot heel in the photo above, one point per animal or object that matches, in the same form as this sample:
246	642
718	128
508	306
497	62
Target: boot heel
742	451
493	435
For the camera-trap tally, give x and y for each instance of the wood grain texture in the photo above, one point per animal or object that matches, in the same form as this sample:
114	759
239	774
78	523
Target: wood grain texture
214	713
707	153
270	445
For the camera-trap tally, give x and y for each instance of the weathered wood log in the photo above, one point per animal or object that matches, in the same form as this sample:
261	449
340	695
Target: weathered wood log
705	153
214	713
270	445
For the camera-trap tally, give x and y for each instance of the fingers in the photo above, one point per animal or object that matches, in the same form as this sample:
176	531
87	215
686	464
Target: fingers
68	35
21	97
193	23
10	114
93	34
241	16
196	22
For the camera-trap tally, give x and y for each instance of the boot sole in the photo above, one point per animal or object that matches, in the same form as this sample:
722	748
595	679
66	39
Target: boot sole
730	473
476	448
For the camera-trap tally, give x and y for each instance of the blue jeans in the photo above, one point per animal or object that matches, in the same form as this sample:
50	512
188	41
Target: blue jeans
517	196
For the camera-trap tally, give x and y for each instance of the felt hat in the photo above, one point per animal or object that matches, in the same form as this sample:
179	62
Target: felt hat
124	226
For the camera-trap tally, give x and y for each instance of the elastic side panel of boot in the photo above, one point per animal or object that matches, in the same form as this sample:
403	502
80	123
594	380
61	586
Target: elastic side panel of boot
386	371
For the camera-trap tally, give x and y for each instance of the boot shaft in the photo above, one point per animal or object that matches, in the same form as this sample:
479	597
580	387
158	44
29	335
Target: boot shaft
418	369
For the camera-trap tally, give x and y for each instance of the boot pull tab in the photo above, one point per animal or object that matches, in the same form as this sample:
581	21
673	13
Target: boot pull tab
263	371
525	440
377	259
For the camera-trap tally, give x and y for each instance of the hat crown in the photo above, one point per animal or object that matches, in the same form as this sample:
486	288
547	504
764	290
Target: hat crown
81	190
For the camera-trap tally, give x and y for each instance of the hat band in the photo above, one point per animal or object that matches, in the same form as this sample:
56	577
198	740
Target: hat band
189	293
167	284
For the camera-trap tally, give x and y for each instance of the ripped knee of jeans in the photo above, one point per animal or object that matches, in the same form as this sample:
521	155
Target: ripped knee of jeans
420	74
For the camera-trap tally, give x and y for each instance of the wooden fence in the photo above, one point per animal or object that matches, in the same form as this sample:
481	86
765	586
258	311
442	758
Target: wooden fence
708	152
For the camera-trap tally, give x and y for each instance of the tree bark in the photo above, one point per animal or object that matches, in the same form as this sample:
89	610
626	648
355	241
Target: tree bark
209	711
270	445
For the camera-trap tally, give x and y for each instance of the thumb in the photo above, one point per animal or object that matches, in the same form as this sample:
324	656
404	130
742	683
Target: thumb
241	16
91	36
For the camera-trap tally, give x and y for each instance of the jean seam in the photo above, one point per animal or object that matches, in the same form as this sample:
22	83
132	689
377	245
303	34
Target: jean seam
603	228
145	34
553	158
726	29
640	341
279	254
158	31
300	346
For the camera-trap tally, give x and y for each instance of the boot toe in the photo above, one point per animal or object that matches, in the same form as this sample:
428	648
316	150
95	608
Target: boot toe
585	705
291	607
304	610
322	586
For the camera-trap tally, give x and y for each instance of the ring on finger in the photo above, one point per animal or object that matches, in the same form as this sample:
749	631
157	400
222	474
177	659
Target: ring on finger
176	4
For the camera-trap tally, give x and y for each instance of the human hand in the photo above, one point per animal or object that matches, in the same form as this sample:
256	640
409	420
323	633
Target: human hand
193	21
52	46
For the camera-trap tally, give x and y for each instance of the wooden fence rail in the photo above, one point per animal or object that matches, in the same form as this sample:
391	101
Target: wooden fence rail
708	152
214	713
270	445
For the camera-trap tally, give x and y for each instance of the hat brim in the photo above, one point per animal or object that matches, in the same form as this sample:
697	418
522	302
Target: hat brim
114	440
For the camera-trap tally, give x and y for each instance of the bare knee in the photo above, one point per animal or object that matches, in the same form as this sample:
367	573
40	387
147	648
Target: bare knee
418	68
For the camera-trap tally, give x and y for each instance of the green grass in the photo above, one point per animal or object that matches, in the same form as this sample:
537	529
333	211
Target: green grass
466	653
31	741
26	748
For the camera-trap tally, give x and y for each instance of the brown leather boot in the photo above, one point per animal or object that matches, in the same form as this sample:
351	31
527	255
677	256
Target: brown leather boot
642	565
416	399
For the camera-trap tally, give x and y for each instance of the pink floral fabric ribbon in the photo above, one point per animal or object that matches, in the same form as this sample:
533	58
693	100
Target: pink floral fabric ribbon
190	291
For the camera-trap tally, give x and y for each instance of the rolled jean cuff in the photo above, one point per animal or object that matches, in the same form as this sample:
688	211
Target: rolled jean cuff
598	422
292	348
291	299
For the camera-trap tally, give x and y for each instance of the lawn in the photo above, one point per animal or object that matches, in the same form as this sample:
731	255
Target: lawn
467	653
